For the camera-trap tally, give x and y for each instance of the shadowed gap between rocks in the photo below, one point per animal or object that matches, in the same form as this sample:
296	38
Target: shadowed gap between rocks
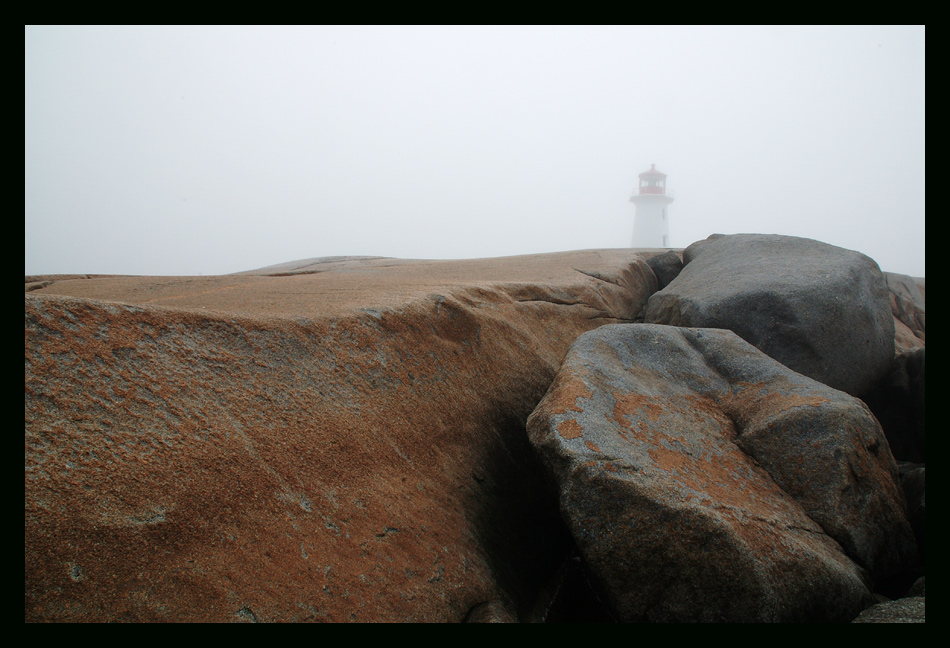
541	571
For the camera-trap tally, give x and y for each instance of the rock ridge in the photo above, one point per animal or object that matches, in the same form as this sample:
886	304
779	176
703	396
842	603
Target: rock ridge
275	448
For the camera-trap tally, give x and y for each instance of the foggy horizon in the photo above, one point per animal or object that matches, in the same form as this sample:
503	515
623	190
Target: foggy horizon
213	150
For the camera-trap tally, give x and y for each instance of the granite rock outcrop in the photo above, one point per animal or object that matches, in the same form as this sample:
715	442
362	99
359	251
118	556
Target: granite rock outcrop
340	441
346	439
907	305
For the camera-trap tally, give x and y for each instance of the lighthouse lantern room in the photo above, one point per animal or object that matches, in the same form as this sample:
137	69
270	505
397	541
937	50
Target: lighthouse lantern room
650	224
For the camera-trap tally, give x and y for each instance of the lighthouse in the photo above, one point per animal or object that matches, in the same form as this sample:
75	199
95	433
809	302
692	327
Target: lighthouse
650	224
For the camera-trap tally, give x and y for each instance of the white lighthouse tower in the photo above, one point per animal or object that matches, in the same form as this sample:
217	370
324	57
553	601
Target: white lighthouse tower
651	225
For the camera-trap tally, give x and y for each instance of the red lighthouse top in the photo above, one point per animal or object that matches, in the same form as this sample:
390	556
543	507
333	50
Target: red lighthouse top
653	181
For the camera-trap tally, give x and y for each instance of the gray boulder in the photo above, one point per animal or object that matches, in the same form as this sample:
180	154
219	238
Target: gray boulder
820	310
703	481
903	610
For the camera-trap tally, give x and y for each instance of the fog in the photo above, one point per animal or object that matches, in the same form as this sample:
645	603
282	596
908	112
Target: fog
210	150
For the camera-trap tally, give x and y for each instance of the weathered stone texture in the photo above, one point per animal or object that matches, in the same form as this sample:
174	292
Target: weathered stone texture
703	481
904	610
377	439
820	310
335	446
909	310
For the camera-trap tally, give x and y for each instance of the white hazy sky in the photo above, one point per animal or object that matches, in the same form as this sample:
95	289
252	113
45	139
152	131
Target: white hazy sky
210	150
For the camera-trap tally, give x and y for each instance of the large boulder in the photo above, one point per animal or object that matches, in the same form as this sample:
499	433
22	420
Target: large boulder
704	481
820	310
335	440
